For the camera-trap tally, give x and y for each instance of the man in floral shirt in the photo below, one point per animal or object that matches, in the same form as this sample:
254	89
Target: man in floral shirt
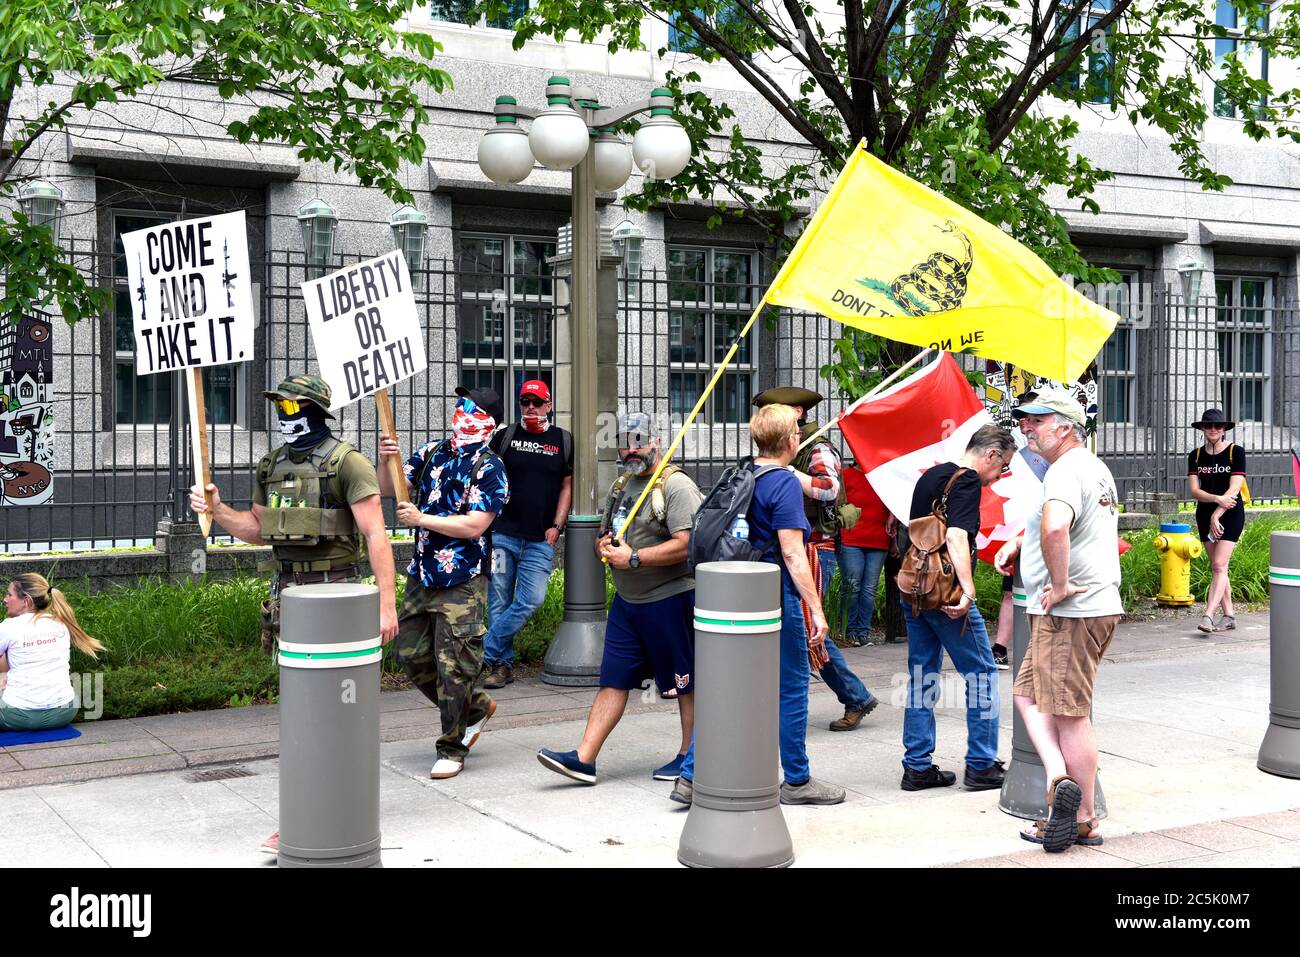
457	487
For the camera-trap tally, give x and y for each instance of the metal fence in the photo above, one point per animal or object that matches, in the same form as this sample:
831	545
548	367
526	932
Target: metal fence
122	448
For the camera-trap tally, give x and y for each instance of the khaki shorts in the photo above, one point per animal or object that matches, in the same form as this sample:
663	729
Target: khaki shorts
1060	666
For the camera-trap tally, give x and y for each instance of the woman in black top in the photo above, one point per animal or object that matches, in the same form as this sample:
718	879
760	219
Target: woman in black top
1216	472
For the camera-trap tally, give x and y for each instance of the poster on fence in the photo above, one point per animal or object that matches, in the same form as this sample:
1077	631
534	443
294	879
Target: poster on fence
191	293
365	327
26	411
1005	385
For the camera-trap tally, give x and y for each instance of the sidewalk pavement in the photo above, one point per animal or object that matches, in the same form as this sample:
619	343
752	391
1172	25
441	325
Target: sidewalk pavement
1179	720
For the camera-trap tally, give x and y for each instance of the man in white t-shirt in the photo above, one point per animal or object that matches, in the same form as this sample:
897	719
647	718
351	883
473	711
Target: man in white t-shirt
1070	568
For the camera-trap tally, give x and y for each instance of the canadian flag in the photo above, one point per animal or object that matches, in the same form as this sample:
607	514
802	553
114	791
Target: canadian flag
927	419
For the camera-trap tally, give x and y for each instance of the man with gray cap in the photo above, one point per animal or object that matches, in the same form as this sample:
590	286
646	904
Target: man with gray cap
315	497
1070	567
650	632
817	467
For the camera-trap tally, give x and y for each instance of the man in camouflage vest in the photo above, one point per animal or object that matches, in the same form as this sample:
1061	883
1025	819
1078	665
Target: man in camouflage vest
314	499
818	469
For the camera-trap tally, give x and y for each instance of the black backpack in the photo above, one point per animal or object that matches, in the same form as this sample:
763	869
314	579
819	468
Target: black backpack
711	538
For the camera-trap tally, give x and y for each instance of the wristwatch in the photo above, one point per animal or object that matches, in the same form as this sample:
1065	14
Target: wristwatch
558	528
635	560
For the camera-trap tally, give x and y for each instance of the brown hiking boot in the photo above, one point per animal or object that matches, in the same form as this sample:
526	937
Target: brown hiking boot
853	716
498	676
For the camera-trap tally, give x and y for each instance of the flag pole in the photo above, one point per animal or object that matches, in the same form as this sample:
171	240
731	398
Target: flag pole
879	387
699	404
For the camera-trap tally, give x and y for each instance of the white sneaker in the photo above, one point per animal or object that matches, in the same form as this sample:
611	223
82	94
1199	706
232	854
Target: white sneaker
445	768
474	730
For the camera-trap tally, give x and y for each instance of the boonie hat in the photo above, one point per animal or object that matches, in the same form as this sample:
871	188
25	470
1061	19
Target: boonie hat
304	386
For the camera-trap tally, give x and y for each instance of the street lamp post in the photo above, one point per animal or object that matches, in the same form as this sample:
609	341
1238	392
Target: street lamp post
574	132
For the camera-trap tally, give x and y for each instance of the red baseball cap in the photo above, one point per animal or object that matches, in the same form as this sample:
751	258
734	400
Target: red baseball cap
536	387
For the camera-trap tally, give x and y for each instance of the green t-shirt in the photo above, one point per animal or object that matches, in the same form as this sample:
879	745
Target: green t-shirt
682	499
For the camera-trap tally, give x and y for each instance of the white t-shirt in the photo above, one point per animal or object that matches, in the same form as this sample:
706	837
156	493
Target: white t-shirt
39	650
1083	482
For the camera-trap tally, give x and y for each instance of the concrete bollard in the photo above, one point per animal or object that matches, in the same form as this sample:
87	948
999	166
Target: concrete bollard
329	726
573	659
735	818
1024	789
1280	751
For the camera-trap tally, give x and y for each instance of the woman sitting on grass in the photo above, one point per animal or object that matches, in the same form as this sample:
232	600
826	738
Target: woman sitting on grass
35	650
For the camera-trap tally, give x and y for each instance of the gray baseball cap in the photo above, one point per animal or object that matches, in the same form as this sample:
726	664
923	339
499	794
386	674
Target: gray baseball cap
637	423
1048	401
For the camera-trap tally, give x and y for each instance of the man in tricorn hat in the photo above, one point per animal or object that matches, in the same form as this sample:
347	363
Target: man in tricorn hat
818	469
315	498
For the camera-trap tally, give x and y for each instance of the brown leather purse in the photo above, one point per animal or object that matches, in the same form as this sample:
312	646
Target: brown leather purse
927	578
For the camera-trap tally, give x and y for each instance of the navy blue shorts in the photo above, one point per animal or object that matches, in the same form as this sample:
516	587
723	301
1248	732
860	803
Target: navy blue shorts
653	640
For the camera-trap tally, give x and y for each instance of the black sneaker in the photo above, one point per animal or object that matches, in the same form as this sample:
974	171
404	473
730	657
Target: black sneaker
989	779
1000	658
931	777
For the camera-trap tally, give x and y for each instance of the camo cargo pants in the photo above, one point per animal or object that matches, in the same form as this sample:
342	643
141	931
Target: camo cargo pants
440	647
270	612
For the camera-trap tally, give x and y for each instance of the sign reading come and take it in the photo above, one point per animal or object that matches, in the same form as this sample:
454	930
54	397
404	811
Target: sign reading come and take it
191	298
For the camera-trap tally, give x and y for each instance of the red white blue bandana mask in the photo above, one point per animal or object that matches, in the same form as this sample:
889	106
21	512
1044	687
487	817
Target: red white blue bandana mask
470	425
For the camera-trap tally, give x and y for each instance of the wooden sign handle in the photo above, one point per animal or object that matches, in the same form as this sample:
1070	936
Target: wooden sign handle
199	444
388	427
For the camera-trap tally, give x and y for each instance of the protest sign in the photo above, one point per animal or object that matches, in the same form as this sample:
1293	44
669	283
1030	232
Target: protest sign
367	335
26	411
191	306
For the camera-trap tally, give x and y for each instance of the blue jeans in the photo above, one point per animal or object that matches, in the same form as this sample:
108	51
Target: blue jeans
792	693
517	587
848	687
860	570
928	637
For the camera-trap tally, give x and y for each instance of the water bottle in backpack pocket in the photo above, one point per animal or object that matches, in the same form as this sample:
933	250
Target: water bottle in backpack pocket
720	531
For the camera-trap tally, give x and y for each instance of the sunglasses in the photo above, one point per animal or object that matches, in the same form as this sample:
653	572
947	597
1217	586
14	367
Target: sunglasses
532	403
467	404
633	441
288	406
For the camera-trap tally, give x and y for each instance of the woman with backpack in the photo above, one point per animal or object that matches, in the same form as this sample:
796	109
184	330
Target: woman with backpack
36	641
1216	473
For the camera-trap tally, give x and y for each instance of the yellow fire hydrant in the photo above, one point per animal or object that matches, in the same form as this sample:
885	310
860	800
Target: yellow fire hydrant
1177	547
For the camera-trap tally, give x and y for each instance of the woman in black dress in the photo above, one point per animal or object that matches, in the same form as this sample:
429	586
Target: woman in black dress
1216	472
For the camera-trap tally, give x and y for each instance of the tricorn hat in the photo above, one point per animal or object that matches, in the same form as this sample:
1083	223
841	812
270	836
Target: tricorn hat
787	395
1213	417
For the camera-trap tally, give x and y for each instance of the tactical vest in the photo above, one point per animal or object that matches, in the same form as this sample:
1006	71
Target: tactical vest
824	517
307	519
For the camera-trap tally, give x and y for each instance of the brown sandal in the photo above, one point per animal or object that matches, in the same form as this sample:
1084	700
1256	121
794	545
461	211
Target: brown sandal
1063	799
1087	833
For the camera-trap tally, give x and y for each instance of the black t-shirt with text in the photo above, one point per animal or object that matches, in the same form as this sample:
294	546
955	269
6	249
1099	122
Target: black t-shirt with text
1216	471
963	500
536	467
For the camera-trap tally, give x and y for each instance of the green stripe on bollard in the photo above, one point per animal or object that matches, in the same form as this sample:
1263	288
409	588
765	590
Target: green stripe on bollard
1283	576
745	622
326	656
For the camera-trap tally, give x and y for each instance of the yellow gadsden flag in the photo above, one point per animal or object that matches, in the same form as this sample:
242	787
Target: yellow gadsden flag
892	257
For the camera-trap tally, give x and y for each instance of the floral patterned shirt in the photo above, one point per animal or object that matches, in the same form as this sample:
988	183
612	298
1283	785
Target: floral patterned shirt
457	481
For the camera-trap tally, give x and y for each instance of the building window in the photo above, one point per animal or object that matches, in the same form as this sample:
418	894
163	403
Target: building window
147	400
507	311
1092	77
1243	322
1253	58
458	11
1118	369
711	294
729	21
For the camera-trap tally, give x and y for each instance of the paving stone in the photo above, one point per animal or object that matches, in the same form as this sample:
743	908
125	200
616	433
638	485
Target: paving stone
1150	849
1219	836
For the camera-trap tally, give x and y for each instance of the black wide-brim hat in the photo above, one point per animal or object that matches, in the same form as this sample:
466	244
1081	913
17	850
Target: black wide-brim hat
787	395
1213	417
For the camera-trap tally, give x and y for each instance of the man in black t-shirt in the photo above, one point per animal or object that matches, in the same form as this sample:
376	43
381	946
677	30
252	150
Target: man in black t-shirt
957	629
539	465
